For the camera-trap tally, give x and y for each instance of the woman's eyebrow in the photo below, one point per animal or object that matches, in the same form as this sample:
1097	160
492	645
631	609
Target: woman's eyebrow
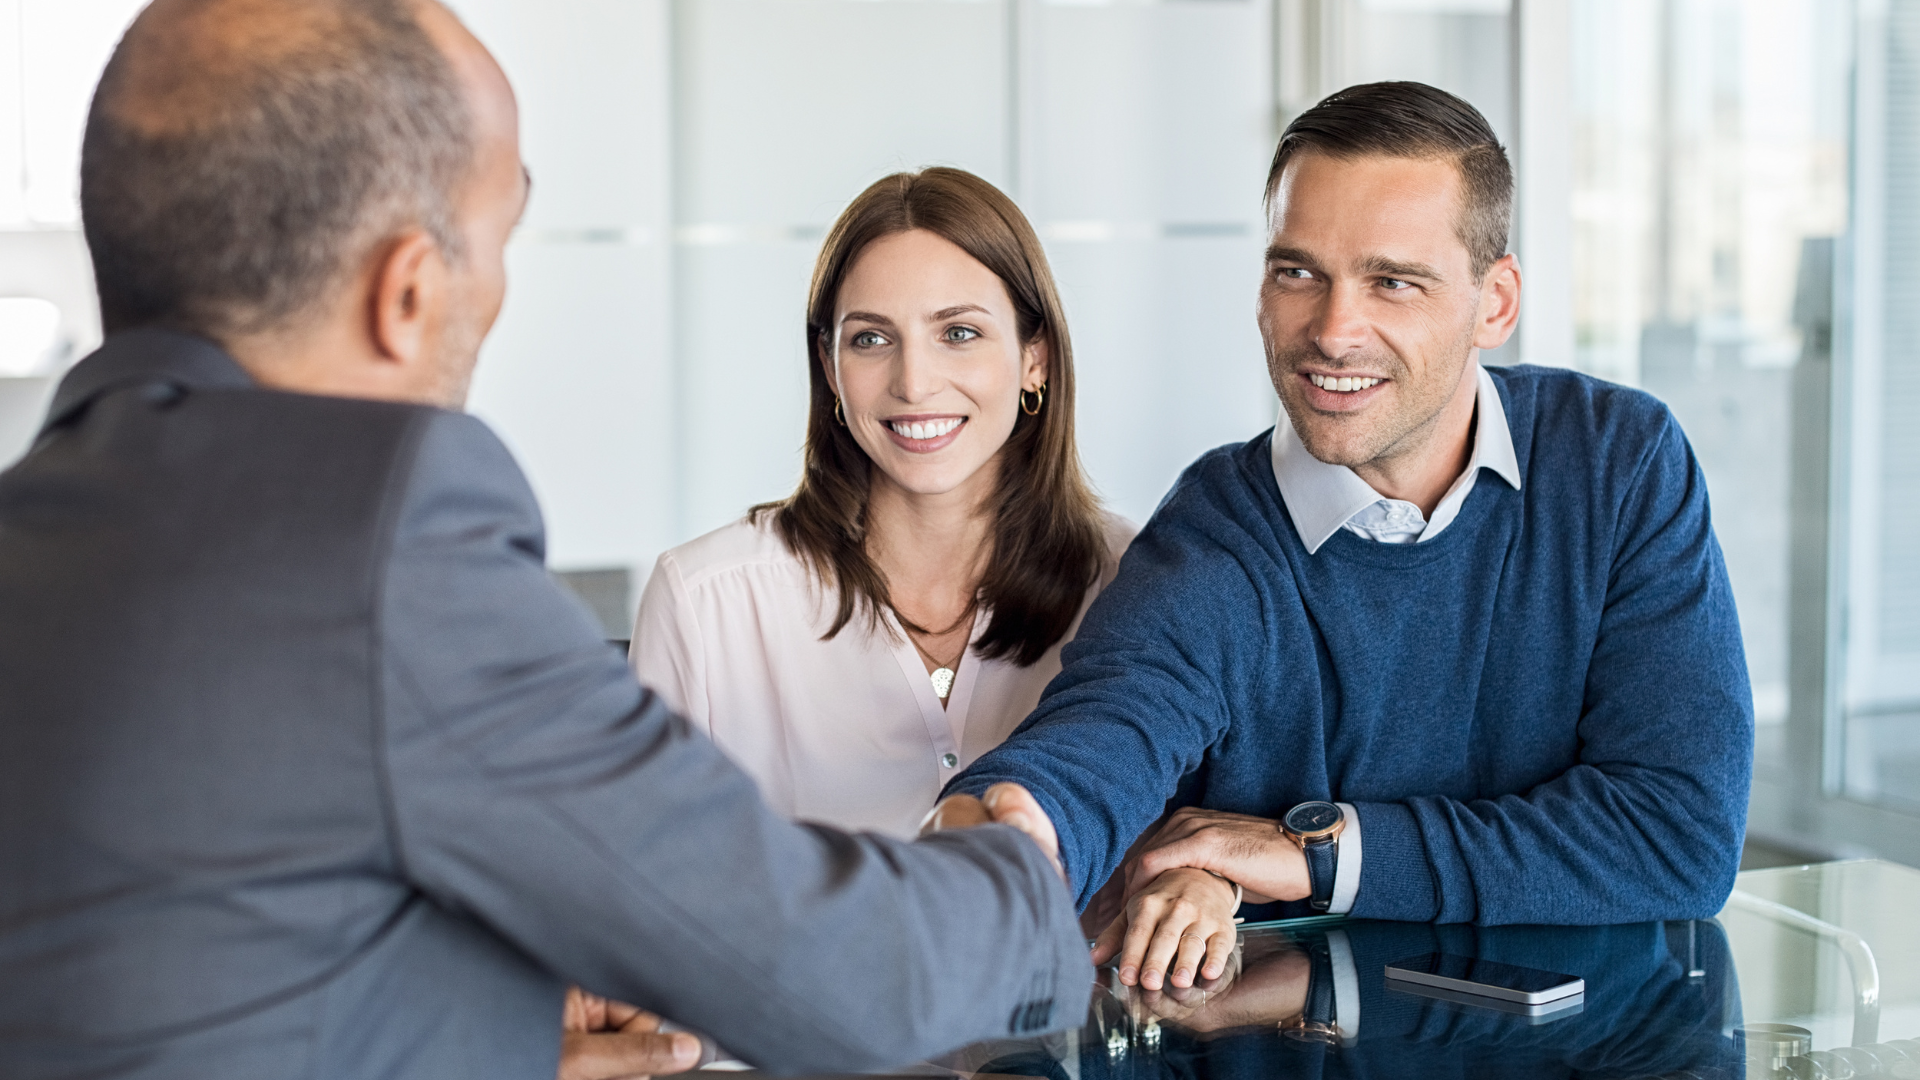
958	309
866	317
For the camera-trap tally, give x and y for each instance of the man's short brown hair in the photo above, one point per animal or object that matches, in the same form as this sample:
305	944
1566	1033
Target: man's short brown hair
1414	120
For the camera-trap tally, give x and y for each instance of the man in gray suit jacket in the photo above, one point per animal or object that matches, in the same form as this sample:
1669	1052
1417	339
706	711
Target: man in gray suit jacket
307	768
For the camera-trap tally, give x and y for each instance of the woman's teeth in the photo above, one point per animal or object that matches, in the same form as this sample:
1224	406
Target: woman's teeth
932	429
1342	385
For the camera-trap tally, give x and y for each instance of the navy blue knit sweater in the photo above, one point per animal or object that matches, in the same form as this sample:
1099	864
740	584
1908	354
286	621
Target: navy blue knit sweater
1542	714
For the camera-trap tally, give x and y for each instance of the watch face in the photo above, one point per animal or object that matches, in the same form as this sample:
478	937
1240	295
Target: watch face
1312	817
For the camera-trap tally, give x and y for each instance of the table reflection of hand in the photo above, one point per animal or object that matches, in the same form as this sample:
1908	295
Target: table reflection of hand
1269	986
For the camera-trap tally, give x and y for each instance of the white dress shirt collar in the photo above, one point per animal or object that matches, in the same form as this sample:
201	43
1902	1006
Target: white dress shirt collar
1323	498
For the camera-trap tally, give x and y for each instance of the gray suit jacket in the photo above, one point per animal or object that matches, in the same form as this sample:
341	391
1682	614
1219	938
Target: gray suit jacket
308	769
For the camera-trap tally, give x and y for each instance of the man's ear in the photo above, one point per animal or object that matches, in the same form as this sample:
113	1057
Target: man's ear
408	298
1035	363
1499	304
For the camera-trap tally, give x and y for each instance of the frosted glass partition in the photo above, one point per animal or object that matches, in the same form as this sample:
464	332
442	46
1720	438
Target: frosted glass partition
1146	132
783	111
1134	135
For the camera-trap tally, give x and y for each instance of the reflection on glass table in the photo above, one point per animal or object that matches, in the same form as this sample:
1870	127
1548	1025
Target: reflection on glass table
1808	972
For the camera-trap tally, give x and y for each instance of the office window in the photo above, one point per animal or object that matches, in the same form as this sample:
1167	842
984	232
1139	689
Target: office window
1709	185
1880	685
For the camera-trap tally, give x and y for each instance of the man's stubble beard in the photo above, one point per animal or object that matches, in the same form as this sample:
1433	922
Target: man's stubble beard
1391	434
459	354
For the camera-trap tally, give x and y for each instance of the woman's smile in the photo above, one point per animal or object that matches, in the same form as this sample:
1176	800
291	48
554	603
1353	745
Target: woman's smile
924	434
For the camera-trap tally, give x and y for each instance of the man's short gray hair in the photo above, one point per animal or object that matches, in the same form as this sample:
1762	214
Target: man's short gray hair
228	183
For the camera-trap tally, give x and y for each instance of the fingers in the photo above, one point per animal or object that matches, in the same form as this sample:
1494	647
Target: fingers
1186	851
1134	943
624	1017
1219	952
1188	955
955	812
1012	805
611	1055
1171	927
583	1011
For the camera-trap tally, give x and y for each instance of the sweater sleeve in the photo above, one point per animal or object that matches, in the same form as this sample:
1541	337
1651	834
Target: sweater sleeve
1648	823
1140	699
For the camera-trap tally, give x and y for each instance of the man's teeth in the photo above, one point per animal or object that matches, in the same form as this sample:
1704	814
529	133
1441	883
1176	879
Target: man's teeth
932	429
1342	385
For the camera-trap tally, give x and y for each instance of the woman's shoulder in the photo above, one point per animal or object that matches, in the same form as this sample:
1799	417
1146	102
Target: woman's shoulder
732	550
1118	532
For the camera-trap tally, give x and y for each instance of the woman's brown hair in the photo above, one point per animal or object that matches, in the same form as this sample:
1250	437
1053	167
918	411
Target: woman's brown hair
1047	537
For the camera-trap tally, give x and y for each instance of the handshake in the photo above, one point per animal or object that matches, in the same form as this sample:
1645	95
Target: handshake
1175	893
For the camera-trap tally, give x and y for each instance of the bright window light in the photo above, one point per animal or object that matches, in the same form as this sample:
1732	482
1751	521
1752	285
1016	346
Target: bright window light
30	339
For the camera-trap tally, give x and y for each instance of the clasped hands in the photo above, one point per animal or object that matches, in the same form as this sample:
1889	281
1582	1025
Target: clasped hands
1176	885
1177	913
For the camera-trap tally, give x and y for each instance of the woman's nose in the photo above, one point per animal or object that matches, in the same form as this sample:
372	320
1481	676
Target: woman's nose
916	374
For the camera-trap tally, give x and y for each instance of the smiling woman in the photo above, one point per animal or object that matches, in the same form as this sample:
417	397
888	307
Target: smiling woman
858	643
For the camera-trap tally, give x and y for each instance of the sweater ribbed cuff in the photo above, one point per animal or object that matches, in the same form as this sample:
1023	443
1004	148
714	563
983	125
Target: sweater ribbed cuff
1396	880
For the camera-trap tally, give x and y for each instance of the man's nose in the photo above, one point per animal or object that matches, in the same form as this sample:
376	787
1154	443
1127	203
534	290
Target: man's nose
1341	327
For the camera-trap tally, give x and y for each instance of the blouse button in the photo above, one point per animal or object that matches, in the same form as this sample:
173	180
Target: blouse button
949	760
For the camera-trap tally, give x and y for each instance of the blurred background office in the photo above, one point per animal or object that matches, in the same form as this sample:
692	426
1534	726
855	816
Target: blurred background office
1719	201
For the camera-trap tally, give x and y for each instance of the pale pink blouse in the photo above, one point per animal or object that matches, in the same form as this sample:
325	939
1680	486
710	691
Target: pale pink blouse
847	731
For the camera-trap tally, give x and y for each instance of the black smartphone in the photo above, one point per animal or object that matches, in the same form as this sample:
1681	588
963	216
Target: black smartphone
1467	975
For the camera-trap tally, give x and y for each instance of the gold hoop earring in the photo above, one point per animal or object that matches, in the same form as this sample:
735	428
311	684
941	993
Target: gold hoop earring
837	414
1039	400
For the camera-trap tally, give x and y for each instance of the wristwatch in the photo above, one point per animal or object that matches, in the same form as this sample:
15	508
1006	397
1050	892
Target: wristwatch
1316	827
1317	1022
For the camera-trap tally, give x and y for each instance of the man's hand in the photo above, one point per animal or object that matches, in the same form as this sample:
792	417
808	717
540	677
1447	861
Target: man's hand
1182	922
608	1040
1271	987
1250	851
1002	804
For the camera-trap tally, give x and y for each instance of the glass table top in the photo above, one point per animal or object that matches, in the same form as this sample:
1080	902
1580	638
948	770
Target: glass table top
1810	971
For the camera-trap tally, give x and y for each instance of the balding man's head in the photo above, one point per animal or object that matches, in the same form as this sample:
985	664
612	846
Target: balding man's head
243	156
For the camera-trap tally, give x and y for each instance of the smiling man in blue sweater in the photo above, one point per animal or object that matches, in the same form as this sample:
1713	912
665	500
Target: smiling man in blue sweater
1449	644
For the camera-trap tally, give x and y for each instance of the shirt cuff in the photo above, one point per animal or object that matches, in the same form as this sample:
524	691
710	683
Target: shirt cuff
1346	987
1346	874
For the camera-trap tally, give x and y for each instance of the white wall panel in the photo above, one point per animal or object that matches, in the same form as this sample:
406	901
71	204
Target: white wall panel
578	376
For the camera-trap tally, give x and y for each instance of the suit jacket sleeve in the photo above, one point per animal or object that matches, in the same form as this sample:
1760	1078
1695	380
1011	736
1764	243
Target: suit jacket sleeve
536	787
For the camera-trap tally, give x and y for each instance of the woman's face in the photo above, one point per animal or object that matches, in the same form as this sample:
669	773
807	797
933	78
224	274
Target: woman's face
928	363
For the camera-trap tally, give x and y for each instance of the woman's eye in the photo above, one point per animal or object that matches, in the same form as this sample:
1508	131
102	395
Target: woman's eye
867	339
957	334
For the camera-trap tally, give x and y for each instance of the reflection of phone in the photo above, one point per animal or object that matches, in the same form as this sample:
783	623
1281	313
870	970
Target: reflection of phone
1466	975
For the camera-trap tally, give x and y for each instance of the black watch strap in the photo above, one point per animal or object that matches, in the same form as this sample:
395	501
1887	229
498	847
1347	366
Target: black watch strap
1318	1010
1322	858
1318	1022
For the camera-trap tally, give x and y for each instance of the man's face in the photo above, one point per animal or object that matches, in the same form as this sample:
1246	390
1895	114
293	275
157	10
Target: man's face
1368	307
486	212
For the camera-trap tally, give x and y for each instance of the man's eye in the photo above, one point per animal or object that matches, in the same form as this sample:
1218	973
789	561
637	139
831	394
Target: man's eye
867	339
1395	284
957	334
1297	273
